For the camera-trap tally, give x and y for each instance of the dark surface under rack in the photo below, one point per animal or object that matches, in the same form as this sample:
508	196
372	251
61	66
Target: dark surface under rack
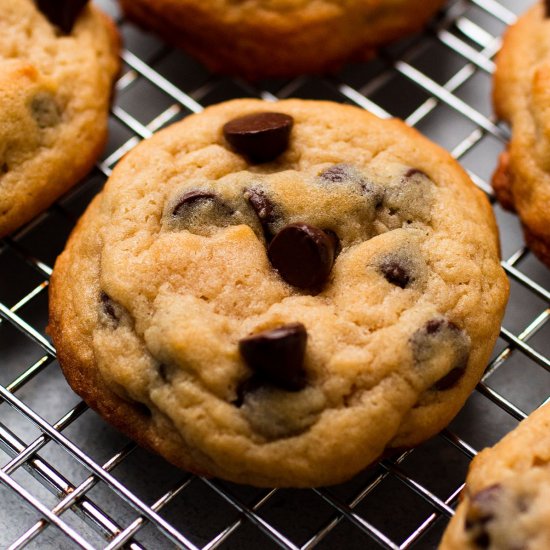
68	480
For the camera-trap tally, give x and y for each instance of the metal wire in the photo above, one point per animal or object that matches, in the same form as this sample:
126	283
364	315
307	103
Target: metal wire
81	515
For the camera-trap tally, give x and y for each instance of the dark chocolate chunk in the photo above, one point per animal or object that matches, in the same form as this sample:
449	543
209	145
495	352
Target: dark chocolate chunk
395	272
108	306
190	199
442	336
62	13
547	8
303	255
277	356
45	110
264	209
261	137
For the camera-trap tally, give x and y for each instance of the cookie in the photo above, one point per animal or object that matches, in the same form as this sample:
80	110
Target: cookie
274	38
506	502
521	97
280	316
58	60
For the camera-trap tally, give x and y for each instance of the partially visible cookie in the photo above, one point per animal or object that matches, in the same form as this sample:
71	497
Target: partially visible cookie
276	293
272	38
58	60
522	97
506	501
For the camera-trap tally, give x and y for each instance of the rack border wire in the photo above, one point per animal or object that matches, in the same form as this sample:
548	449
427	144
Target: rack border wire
458	33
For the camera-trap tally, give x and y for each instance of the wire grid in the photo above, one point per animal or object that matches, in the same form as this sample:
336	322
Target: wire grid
68	480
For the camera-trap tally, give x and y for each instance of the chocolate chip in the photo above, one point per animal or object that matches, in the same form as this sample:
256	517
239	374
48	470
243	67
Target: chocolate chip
375	194
337	173
415	172
395	272
547	8
303	255
264	209
246	387
108	306
435	325
45	110
441	338
480	512
450	379
335	241
62	13
190	199
277	356
259	136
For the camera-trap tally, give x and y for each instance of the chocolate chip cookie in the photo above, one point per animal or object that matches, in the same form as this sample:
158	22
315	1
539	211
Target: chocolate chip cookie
521	96
506	502
58	59
276	293
267	38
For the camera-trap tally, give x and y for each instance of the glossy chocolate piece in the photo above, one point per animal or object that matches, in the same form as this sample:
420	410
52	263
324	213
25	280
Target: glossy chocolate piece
261	137
303	255
276	357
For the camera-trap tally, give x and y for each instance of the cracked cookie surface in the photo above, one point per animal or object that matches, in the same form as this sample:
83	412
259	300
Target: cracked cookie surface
506	501
56	75
521	97
275	38
280	323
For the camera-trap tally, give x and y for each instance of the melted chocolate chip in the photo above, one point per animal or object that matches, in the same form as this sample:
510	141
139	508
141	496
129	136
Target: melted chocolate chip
264	209
246	387
414	172
336	174
395	272
480	512
435	325
190	199
62	13
303	255
108	306
438	337
259	136
547	8
276	356
450	379
45	110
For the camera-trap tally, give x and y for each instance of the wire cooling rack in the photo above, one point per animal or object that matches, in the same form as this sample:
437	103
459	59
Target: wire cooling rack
68	480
